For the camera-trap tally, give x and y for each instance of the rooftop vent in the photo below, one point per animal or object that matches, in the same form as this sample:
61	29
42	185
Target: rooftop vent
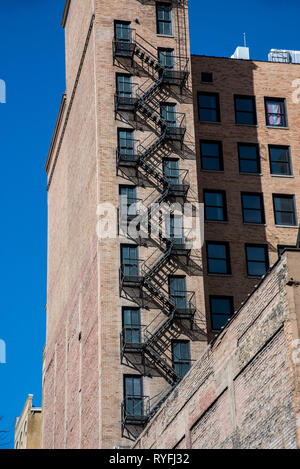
241	53
284	56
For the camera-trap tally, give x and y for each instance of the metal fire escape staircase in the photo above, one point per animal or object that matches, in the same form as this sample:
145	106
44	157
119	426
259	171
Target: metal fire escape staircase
155	338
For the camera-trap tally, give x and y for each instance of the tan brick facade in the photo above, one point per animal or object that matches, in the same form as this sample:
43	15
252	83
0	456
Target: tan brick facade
250	78
243	393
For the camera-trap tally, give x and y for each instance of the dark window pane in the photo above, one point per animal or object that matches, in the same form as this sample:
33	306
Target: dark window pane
218	258
214	206
252	208
209	115
257	260
284	208
210	149
209	101
245	110
211	156
249	158
181	357
221	309
207	77
245	118
256	268
280	160
208	107
256	253
217	266
244	104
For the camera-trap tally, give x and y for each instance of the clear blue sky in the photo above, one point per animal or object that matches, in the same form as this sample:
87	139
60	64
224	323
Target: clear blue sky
32	64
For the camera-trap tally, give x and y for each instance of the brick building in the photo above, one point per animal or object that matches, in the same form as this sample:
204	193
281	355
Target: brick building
28	428
246	126
244	392
120	309
128	315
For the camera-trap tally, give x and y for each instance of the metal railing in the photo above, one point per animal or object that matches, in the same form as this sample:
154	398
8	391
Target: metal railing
130	273
135	409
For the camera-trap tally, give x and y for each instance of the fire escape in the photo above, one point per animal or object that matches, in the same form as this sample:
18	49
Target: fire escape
147	349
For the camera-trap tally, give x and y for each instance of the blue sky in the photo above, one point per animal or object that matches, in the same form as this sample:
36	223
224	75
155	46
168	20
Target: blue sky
32	65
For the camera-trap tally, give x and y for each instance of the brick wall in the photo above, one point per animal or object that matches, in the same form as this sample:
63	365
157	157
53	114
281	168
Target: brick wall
83	376
244	391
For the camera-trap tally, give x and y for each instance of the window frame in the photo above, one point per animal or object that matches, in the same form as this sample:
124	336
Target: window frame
267	260
224	207
236	111
288	148
220	157
217	108
179	299
132	327
258	159
162	50
137	397
125	23
261	210
164	21
290	197
227	259
182	361
136	265
124	93
284	114
221	297
207	74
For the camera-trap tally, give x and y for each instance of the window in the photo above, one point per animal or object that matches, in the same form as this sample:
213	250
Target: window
130	261
282	247
218	258
128	200
257	259
209	107
253	208
132	325
126	145
211	155
124	86
181	357
284	210
176	229
280	161
206	77
245	110
166	58
133	396
249	158
122	31
164	19
275	112
215	205
168	113
171	170
177	292
221	309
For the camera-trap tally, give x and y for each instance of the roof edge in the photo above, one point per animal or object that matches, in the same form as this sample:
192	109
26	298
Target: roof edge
56	130
66	12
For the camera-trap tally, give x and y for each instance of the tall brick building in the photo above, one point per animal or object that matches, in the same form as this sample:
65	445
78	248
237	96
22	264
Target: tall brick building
125	315
246	126
142	120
